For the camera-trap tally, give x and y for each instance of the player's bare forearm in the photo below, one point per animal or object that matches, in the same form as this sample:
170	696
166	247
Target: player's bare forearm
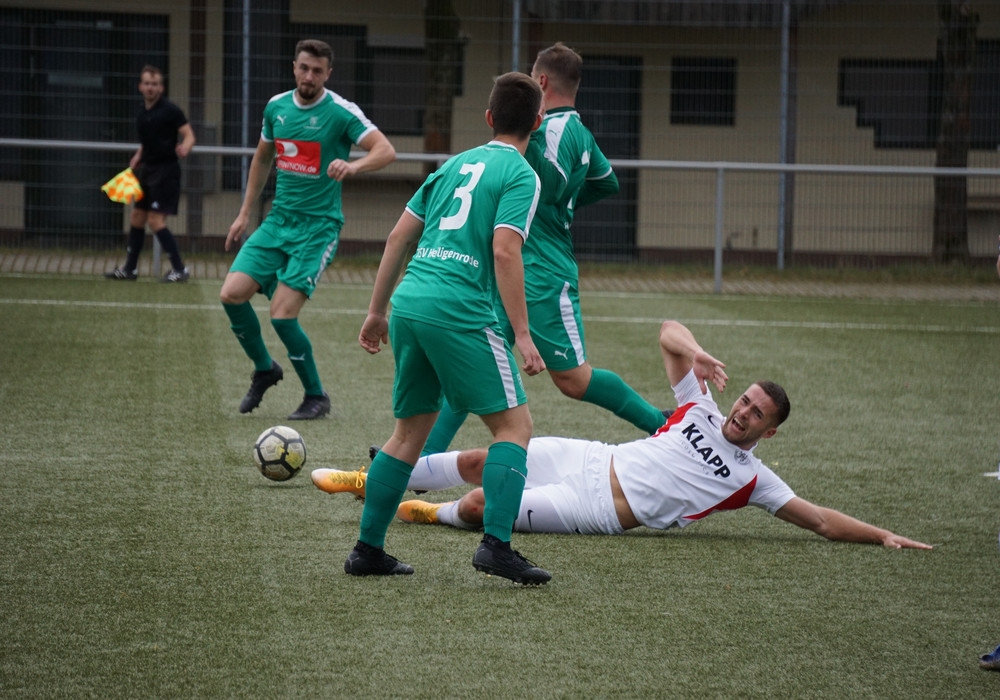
399	246
681	352
840	527
844	528
509	270
380	153
260	169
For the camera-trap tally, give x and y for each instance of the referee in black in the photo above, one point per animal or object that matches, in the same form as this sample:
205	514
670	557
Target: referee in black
165	136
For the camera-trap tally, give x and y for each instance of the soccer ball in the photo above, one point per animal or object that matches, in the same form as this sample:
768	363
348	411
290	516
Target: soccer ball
279	453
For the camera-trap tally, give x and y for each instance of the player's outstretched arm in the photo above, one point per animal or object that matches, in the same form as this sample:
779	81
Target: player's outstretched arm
837	526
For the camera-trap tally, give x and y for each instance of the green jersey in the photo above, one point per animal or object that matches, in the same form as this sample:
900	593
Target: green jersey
450	281
307	139
573	172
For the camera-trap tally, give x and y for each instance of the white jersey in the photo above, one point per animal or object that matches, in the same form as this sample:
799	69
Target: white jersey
687	470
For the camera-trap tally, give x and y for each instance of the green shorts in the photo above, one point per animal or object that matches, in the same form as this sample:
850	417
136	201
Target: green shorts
289	250
557	326
475	370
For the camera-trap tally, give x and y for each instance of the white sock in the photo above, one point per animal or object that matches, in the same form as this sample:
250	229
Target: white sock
448	514
436	472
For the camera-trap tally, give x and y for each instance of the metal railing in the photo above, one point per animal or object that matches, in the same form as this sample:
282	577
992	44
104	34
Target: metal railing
720	168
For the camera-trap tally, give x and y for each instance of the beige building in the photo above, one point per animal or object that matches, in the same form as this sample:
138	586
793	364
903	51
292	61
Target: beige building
845	83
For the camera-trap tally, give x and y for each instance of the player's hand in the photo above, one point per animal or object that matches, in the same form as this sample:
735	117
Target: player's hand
707	368
533	362
182	151
374	333
236	231
894	541
339	169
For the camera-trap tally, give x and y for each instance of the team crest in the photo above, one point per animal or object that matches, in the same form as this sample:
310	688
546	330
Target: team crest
741	457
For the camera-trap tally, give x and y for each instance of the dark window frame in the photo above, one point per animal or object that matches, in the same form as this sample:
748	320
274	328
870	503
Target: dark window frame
703	91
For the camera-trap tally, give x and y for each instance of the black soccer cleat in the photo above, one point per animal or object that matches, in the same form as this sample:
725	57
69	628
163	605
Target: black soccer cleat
312	407
259	383
120	273
365	560
496	558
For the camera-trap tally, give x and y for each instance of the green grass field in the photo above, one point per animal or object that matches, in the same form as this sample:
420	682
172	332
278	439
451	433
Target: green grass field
142	555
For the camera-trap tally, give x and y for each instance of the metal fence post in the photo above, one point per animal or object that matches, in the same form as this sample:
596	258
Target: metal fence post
719	213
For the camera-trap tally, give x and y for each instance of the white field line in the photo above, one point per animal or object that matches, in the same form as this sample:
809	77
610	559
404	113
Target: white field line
639	320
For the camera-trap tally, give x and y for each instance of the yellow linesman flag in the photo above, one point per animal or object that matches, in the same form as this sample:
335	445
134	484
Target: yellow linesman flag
123	187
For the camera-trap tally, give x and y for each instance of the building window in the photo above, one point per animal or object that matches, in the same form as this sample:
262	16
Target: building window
894	98
703	91
900	100
397	90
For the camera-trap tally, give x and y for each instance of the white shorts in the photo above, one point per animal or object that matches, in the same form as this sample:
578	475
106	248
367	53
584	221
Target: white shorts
568	488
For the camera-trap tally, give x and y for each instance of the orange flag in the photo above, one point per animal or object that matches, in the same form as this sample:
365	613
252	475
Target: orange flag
123	187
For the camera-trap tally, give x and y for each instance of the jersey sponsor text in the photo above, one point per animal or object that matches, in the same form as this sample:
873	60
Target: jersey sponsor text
301	157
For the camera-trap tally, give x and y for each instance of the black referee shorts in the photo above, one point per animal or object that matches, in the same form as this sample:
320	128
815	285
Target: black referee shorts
161	187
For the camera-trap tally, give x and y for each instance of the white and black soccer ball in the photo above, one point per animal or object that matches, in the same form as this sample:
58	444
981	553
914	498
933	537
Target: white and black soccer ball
279	453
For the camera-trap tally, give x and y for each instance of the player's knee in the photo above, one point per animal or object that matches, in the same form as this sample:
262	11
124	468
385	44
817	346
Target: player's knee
237	288
227	296
470	508
571	384
470	466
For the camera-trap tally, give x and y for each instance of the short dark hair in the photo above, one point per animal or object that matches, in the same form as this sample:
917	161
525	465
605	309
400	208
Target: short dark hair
315	47
515	102
152	70
779	397
562	64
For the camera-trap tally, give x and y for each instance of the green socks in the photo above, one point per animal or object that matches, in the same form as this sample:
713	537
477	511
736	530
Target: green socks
444	430
608	390
300	353
503	484
246	327
384	488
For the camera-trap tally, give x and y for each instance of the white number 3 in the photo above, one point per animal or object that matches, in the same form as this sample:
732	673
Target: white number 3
464	195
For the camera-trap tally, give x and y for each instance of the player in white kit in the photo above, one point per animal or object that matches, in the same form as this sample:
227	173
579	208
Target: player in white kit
698	463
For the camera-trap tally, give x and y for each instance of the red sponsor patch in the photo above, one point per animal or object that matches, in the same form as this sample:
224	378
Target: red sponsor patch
301	157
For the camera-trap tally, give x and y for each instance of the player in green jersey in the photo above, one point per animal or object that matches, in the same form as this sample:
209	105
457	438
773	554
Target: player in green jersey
573	172
465	226
307	133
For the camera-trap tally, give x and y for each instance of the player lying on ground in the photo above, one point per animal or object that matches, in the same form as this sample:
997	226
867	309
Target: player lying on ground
698	463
